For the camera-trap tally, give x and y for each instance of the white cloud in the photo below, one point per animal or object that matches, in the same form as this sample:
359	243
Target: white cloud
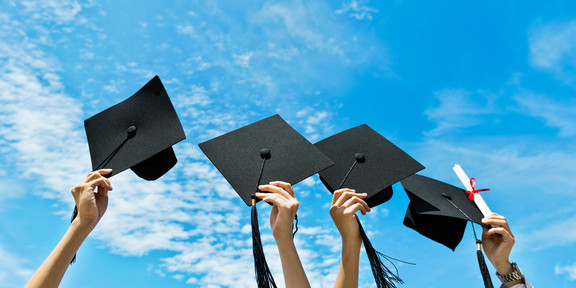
458	108
294	21
569	270
554	113
317	124
13	272
242	59
553	48
40	124
357	9
58	11
504	160
556	233
111	87
186	29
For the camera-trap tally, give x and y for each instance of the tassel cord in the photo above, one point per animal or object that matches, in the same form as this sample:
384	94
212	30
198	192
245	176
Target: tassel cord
264	277
383	276
481	261
295	225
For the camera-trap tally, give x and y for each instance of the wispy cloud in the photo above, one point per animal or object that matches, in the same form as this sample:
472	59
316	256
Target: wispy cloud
303	43
555	113
317	123
569	270
514	158
553	49
556	233
40	123
357	9
57	11
458	108
13	272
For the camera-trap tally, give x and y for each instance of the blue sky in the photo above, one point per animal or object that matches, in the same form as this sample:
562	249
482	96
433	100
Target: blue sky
489	85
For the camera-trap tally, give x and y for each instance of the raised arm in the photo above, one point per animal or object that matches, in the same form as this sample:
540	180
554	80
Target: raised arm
345	203
497	243
91	197
281	219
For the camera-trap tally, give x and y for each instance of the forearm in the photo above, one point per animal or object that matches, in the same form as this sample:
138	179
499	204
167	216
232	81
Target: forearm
52	270
349	265
294	274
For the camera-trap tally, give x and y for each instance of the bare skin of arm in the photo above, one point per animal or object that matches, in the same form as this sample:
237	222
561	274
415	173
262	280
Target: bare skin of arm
91	207
345	204
281	219
498	242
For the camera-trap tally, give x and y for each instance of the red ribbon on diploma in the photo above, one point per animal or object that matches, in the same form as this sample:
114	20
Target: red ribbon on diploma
474	190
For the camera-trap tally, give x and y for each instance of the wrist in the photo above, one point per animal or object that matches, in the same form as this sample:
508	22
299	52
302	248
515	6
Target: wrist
513	277
351	240
351	244
82	228
285	245
284	239
503	267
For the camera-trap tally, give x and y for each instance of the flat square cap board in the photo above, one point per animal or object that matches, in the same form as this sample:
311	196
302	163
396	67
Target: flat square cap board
137	133
438	210
379	163
237	155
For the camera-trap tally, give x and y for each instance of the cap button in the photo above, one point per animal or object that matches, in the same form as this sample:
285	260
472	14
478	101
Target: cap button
360	157
447	196
131	131
265	153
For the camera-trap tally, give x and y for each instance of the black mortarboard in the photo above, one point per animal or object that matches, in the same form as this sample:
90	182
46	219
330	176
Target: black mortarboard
438	210
264	151
137	133
369	163
237	155
441	212
380	163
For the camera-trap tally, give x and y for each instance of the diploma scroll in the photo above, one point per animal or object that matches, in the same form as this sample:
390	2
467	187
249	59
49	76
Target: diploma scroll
478	200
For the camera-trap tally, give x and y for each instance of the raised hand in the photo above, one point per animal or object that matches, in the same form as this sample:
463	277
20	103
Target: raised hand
281	219
91	197
345	204
497	242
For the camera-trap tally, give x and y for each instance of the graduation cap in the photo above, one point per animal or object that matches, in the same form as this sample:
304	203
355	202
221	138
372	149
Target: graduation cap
441	212
438	210
264	151
137	134
369	163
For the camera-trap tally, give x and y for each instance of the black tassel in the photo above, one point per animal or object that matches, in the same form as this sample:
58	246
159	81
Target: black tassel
483	267
74	214
263	274
382	275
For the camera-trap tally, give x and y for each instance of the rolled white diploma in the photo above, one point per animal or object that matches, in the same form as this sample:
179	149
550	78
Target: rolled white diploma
477	198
